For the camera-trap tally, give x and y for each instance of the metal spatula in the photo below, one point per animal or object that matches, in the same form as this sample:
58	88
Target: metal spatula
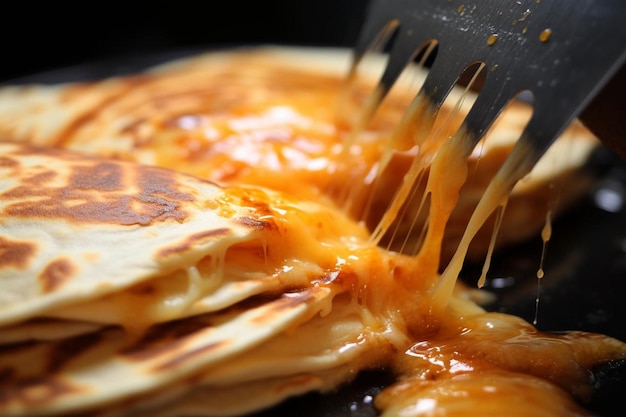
561	51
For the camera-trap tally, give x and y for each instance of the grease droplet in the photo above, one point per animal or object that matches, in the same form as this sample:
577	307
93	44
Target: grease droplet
544	36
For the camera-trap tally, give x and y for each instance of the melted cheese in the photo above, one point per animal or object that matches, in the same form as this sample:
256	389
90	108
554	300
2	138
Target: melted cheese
325	230
462	358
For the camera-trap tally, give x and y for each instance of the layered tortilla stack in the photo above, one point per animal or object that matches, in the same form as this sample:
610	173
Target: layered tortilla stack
177	242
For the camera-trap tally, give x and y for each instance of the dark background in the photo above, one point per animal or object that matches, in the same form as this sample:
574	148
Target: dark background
39	36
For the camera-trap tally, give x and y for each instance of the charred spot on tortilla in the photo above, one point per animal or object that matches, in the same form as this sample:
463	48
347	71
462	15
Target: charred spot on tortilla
167	338
102	176
286	301
55	274
255	224
70	348
179	360
98	191
162	333
16	254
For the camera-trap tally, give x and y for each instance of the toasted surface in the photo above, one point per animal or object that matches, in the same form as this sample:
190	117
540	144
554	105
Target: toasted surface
75	228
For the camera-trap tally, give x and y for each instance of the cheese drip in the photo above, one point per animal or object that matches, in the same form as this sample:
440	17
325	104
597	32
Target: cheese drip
546	234
519	163
441	152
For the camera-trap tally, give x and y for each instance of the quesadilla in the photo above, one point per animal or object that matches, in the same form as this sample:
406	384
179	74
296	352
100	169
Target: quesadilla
341	303
251	117
182	242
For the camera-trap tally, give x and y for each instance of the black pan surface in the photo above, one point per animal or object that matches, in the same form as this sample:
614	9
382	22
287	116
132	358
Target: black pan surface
584	287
